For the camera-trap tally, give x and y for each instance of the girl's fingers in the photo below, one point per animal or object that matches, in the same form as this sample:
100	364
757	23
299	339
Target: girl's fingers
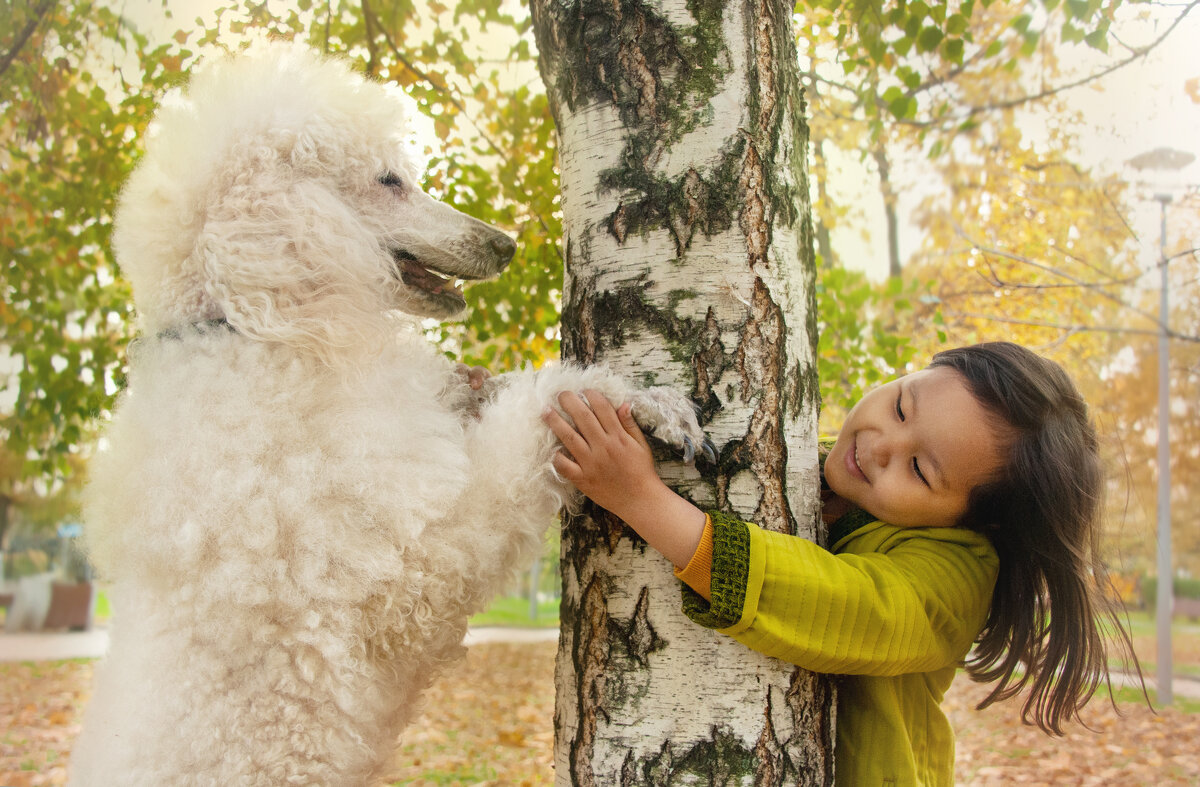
565	433
583	416
605	414
625	416
566	467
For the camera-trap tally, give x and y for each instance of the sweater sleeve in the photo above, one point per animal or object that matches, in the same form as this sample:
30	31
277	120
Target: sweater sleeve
903	600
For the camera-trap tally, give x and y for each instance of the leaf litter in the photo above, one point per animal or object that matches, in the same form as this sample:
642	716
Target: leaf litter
490	721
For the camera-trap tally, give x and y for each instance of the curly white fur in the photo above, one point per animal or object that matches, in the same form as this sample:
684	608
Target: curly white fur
294	513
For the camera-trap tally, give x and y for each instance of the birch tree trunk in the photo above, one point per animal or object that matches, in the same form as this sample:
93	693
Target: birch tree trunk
689	263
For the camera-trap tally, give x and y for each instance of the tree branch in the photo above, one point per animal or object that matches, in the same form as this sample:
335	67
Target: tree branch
1097	287
1138	52
1078	328
25	34
1075	328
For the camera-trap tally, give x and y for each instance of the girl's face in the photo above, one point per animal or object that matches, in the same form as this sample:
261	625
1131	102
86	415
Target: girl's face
911	451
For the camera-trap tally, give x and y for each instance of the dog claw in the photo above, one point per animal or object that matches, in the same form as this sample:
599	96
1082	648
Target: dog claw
710	451
689	450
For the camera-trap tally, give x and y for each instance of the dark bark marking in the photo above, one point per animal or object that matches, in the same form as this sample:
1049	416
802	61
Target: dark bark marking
721	761
579	337
709	363
755	219
763	450
638	634
591	662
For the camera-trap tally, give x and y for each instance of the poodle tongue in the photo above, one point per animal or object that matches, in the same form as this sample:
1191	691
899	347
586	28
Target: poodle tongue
419	276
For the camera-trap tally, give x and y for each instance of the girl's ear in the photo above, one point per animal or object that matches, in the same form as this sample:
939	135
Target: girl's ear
292	263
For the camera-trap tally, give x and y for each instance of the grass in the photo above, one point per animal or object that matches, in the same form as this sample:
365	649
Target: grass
103	610
1132	696
1185	645
510	611
513	612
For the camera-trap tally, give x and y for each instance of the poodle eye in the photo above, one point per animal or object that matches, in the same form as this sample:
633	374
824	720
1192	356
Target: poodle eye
391	180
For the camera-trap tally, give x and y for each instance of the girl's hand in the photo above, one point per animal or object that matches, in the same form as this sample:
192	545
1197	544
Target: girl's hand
610	461
608	457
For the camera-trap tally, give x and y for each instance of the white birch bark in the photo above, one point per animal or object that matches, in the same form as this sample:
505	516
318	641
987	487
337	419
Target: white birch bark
689	263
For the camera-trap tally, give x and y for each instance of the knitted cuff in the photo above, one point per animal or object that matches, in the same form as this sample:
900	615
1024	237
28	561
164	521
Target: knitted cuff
698	572
730	574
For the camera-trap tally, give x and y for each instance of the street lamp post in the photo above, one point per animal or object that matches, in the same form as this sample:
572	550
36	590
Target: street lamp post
1163	159
1166	595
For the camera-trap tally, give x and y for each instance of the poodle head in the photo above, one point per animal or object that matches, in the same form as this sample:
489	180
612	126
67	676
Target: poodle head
277	193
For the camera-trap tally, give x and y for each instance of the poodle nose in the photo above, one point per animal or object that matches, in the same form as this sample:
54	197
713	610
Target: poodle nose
504	247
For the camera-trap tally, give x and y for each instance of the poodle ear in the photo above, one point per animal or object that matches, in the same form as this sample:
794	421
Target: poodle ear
290	262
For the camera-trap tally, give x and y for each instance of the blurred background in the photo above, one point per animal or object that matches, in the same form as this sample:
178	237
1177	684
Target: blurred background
1019	171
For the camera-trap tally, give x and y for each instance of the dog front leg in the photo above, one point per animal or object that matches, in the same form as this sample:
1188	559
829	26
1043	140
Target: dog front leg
514	494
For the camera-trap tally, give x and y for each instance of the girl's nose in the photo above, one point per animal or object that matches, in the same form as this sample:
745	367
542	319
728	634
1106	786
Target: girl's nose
882	453
886	447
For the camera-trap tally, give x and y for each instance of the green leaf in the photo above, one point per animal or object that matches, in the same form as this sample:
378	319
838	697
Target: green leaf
929	39
1098	40
952	50
1079	9
1071	34
910	78
903	107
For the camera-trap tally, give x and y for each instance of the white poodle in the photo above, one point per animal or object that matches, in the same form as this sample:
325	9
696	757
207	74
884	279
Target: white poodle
300	502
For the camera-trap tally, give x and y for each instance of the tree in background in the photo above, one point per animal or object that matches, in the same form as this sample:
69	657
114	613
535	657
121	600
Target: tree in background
918	90
1020	241
79	86
69	135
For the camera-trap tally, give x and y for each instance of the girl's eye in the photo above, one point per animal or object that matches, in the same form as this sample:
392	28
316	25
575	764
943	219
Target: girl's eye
899	409
391	180
917	469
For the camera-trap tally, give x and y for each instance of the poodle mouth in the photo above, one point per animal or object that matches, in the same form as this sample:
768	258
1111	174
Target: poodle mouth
428	280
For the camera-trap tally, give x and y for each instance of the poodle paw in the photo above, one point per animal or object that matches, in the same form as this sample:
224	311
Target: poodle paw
671	417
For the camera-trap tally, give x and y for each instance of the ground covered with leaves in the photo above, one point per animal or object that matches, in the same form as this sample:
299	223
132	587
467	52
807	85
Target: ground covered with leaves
490	722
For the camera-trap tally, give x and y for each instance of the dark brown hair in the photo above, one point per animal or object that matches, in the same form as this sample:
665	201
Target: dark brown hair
1042	514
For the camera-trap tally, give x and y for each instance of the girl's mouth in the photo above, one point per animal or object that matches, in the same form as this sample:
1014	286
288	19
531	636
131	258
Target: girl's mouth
852	465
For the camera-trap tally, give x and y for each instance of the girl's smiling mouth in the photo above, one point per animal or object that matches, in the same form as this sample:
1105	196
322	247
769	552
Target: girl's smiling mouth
852	465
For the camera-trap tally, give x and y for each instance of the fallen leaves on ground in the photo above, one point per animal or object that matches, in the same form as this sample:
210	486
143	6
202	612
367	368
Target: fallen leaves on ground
40	706
1133	747
490	721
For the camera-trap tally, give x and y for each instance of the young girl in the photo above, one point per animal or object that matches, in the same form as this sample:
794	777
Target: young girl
963	503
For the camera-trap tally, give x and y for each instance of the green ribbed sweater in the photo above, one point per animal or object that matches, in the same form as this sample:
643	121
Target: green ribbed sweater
894	609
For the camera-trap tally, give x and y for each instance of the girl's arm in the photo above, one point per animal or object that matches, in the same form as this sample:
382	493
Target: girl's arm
914	602
610	461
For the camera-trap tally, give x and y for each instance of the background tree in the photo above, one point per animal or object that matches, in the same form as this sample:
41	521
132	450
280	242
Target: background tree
914	91
689	263
79	81
69	134
968	105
